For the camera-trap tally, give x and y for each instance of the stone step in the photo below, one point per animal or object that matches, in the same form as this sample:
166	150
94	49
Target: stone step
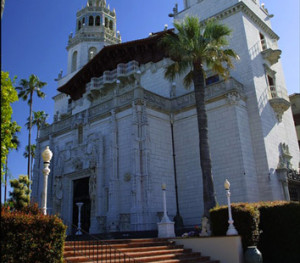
137	250
159	249
77	258
123	241
178	257
116	246
154	248
173	256
136	253
189	260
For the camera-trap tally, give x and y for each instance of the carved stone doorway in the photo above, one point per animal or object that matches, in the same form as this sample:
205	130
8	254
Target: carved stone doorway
81	194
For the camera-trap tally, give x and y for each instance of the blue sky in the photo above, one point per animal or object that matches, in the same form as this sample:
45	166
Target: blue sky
34	35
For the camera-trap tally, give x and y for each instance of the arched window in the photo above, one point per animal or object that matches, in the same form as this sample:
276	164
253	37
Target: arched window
91	21
97	21
83	21
98	3
92	52
74	61
106	22
79	25
111	25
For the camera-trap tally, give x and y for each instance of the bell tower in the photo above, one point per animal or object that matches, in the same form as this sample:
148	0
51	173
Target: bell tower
95	28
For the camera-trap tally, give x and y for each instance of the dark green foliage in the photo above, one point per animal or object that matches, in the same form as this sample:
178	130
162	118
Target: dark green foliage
29	236
20	196
280	237
246	218
9	128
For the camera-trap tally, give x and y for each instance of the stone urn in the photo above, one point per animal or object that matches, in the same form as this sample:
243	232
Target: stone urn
253	255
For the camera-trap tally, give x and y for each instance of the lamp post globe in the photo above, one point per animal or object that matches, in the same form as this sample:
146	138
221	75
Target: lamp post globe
47	156
227	185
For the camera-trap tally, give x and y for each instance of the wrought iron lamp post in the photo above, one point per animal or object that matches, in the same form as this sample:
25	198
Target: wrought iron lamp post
231	229
47	156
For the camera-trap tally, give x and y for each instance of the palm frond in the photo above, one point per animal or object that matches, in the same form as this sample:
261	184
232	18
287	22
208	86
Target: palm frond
188	79
40	94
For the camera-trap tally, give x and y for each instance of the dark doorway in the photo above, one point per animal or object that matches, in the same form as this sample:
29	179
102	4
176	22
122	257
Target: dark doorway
81	194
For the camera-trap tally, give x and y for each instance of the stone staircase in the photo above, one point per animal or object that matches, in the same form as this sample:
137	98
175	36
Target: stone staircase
136	250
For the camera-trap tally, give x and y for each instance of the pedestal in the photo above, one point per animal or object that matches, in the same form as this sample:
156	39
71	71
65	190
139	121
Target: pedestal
166	229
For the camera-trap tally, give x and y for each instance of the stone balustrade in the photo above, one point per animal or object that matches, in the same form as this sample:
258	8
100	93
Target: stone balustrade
109	77
223	87
218	90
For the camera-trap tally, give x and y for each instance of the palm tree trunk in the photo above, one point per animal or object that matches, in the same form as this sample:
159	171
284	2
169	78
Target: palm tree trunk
37	133
29	138
31	166
6	175
209	198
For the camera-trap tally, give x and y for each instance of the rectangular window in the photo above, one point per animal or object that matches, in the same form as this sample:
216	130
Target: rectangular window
272	86
263	41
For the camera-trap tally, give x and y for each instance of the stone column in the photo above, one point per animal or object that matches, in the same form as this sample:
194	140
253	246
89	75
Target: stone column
113	210
140	217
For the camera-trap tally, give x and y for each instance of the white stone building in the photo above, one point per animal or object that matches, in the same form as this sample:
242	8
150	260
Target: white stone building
121	129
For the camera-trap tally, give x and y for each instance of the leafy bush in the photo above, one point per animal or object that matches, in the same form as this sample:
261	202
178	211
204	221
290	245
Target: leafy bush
246	219
29	236
280	237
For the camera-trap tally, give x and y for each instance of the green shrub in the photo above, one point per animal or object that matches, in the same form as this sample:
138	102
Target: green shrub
280	237
277	222
30	236
20	196
246	219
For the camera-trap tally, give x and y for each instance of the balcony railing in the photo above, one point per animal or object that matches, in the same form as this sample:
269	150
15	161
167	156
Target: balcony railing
268	43
109	77
270	50
222	87
279	100
277	91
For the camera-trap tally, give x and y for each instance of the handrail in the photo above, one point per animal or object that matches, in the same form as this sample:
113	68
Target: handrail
97	250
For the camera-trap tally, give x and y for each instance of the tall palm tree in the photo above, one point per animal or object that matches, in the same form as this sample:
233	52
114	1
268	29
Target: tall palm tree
30	151
39	119
26	91
192	47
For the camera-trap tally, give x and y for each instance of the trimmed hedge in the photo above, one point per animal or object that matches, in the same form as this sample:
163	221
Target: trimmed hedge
277	223
280	236
246	219
30	236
